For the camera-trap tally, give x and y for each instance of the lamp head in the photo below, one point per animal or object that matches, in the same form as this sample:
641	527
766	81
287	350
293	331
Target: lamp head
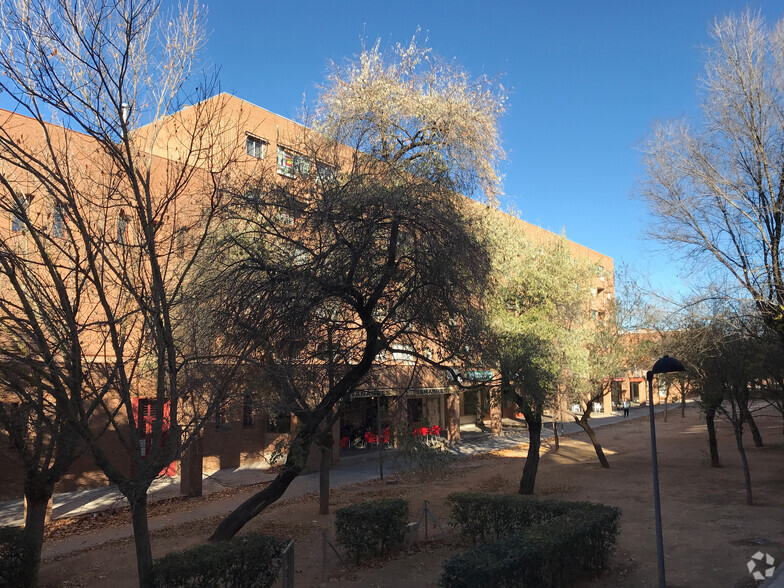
666	365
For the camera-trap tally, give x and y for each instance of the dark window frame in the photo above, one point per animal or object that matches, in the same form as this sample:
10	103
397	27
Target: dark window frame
255	146
20	210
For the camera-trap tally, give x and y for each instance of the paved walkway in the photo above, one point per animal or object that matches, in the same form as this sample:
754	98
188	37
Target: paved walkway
351	470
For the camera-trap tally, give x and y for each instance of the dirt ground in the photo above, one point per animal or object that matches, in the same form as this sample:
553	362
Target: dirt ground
709	531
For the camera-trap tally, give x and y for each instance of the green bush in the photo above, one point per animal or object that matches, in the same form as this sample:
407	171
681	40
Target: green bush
249	560
488	517
370	528
556	550
16	559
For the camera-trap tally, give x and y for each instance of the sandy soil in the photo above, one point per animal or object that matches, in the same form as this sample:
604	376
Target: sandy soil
709	531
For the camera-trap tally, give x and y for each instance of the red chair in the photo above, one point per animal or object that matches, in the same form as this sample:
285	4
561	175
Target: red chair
371	437
344	442
425	433
435	430
385	437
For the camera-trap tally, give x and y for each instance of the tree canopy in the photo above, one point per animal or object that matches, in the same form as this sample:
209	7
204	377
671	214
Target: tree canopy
373	253
425	116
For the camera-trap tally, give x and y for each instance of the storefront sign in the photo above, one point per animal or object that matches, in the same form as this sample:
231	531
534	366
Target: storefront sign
373	393
427	392
414	392
479	375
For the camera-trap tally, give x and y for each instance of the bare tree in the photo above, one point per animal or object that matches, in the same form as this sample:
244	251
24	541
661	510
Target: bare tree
772	385
716	187
369	249
725	355
104	241
692	341
730	373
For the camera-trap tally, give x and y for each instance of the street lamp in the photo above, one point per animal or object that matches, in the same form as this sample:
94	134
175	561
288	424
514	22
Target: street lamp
664	365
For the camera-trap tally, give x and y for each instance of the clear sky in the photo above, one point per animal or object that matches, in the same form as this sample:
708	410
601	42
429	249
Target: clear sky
587	79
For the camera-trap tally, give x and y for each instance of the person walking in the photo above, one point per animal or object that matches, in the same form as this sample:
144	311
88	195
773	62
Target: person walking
626	406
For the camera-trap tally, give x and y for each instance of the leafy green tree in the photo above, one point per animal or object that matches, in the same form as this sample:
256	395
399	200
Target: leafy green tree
537	314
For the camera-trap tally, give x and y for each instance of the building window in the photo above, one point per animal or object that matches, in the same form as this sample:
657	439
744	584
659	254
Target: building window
326	174
20	213
222	416
58	220
149	330
285	163
302	165
415	410
122	228
255	147
594	315
292	165
179	246
634	391
247	411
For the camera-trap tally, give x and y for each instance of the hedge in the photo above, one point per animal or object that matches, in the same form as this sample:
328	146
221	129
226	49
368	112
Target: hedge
554	544
16	565
370	528
488	517
252	560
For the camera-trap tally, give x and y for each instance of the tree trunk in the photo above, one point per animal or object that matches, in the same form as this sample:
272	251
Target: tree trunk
299	446
237	519
713	445
141	537
555	434
755	432
37	505
666	398
324	465
683	403
746	472
528	480
583	422
295	463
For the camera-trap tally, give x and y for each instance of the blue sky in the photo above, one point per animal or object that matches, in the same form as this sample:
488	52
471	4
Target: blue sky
588	79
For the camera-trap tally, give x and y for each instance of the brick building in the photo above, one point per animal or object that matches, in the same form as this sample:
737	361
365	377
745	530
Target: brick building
256	141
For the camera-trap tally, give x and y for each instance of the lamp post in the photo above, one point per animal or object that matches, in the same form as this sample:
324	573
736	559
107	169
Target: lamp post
664	365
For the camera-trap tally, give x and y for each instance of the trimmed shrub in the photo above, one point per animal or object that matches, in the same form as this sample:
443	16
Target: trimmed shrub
371	528
524	559
488	517
250	560
594	532
555	551
16	559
